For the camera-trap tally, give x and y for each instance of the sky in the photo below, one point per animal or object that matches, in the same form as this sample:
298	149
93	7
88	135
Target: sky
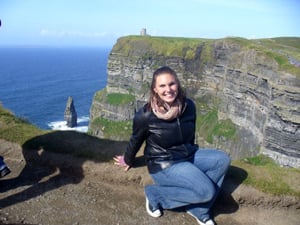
102	22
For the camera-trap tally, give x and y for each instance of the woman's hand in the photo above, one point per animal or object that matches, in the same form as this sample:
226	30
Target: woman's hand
119	161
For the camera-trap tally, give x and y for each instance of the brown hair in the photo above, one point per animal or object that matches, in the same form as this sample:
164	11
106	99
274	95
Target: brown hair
165	69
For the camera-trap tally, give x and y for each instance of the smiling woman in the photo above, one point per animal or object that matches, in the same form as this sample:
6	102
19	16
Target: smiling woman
184	175
165	89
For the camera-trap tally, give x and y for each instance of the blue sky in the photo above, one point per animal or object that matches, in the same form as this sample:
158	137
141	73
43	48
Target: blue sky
101	22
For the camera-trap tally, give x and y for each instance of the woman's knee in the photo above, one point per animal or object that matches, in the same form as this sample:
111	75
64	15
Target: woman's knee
205	194
223	162
225	157
226	160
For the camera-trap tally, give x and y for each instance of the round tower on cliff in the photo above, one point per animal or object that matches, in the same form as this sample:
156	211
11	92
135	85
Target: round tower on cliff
143	32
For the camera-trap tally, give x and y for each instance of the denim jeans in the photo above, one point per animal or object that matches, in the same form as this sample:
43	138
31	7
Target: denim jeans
2	164
192	185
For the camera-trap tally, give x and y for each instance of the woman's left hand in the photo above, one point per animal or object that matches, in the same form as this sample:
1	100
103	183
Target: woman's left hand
119	161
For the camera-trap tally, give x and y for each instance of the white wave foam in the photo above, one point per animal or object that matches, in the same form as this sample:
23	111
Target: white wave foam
82	125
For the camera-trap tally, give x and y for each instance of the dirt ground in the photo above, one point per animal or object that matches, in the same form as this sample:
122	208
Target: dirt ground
50	188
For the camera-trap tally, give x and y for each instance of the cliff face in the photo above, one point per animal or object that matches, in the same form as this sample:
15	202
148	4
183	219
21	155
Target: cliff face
249	83
260	97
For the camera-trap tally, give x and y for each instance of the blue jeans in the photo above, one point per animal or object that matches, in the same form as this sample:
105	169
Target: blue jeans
192	185
2	164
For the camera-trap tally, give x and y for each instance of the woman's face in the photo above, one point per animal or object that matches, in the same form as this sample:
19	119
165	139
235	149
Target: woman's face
166	87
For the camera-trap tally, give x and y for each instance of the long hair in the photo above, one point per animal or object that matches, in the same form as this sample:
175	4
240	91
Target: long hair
162	70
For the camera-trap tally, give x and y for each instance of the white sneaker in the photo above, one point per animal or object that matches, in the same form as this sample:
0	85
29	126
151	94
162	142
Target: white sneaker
152	211
207	221
4	170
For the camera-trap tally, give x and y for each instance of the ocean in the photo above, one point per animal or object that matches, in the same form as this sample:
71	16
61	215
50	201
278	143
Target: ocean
35	82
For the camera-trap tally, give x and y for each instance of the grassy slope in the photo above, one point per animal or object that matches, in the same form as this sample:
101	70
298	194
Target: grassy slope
16	129
259	172
282	48
158	46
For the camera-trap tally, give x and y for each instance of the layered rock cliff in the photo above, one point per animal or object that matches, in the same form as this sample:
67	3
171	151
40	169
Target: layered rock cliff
251	86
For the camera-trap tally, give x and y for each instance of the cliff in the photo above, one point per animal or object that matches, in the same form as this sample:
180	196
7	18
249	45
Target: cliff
247	91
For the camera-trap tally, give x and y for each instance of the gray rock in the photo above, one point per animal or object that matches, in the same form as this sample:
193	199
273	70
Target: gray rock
70	114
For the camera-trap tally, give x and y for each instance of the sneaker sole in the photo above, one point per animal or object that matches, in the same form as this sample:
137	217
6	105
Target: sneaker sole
208	222
155	214
4	172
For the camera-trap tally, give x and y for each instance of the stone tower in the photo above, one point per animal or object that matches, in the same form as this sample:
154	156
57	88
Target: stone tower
143	32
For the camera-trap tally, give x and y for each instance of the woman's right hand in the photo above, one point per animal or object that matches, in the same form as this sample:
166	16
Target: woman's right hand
119	161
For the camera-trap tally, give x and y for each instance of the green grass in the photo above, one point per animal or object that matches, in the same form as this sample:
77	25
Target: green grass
113	129
209	127
100	95
281	42
148	46
275	49
284	63
207	54
260	160
224	128
16	129
265	175
279	48
119	99
114	98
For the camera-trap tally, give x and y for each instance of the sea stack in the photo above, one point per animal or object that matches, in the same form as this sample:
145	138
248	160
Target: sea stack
70	113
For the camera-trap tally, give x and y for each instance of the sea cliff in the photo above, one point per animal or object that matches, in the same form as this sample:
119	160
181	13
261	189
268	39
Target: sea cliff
247	91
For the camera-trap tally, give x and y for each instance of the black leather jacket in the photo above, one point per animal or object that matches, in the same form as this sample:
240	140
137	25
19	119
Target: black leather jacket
167	142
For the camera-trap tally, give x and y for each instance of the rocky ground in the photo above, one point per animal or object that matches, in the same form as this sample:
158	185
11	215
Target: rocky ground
50	188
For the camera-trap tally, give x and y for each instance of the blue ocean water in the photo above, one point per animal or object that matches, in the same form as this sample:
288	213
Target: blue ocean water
35	83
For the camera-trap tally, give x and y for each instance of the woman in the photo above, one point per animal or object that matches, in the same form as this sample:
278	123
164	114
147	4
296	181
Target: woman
184	175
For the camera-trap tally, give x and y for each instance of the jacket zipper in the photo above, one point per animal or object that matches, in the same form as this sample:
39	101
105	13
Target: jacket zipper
178	122
179	127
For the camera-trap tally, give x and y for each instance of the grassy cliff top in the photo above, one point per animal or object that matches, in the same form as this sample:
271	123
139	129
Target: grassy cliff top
284	50
164	46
